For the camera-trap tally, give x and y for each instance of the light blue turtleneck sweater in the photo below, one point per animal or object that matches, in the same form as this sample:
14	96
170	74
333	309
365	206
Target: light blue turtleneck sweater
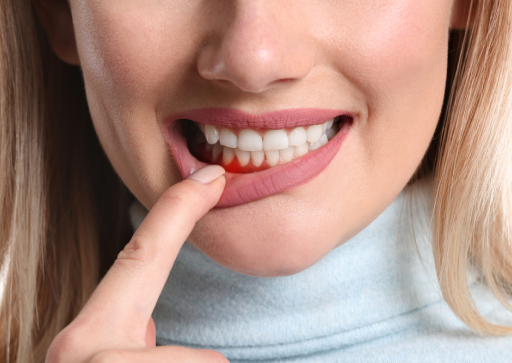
373	299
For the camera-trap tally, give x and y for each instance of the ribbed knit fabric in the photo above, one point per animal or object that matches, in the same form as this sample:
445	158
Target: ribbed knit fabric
373	299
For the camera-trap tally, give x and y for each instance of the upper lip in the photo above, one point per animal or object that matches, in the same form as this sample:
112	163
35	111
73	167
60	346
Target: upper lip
281	119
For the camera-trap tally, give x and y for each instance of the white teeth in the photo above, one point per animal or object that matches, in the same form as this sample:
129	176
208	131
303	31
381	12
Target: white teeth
272	157
217	149
301	150
257	157
250	140
287	154
297	137
243	156
228	154
211	133
315	145
228	138
275	145
314	133
275	140
323	140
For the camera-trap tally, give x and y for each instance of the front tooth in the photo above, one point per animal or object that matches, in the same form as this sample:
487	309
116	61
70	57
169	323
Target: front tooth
217	149
324	127
228	138
313	134
287	154
275	140
228	154
250	140
211	133
272	157
257	157
323	140
297	137
242	156
301	150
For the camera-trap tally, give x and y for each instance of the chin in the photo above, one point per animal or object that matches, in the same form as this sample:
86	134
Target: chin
259	240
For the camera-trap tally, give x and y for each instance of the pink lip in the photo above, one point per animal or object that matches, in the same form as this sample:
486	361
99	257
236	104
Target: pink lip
275	120
244	188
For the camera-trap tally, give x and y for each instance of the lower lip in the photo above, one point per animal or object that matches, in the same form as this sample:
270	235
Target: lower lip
245	188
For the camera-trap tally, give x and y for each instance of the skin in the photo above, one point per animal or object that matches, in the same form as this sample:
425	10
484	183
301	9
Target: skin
385	61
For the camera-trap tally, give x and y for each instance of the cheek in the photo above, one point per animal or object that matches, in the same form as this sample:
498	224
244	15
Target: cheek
397	56
126	53
128	57
403	41
407	39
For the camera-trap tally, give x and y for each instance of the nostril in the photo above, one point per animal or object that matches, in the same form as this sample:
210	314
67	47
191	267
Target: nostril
283	81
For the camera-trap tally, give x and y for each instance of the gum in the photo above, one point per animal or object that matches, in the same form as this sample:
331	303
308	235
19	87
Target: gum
198	150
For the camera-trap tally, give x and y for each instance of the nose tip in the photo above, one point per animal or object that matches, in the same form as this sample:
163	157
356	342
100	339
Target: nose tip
255	55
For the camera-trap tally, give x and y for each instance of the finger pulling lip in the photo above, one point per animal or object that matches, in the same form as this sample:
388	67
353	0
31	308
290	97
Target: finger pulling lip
244	188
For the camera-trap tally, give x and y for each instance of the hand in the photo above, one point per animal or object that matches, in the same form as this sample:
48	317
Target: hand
116	325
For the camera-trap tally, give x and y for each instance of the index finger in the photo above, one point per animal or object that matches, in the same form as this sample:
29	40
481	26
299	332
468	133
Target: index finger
124	300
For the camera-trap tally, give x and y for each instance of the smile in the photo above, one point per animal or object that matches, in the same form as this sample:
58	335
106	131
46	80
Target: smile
263	154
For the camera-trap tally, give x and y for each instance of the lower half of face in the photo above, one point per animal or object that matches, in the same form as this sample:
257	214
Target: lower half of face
245	85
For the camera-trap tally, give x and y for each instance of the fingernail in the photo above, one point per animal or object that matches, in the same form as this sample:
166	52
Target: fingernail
207	174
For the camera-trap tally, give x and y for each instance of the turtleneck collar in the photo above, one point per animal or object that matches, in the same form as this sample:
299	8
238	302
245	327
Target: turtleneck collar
374	288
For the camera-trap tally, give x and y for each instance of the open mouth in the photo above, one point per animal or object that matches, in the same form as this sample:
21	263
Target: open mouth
248	150
260	157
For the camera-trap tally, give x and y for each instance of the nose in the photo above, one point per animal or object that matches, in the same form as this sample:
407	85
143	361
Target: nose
261	47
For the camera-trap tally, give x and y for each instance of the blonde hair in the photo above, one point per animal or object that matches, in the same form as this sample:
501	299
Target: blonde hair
472	219
64	212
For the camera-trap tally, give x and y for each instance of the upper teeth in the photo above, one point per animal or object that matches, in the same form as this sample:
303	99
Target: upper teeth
275	146
270	140
250	140
211	133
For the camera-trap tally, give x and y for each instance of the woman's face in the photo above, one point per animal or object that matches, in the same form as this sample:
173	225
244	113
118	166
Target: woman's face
379	63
